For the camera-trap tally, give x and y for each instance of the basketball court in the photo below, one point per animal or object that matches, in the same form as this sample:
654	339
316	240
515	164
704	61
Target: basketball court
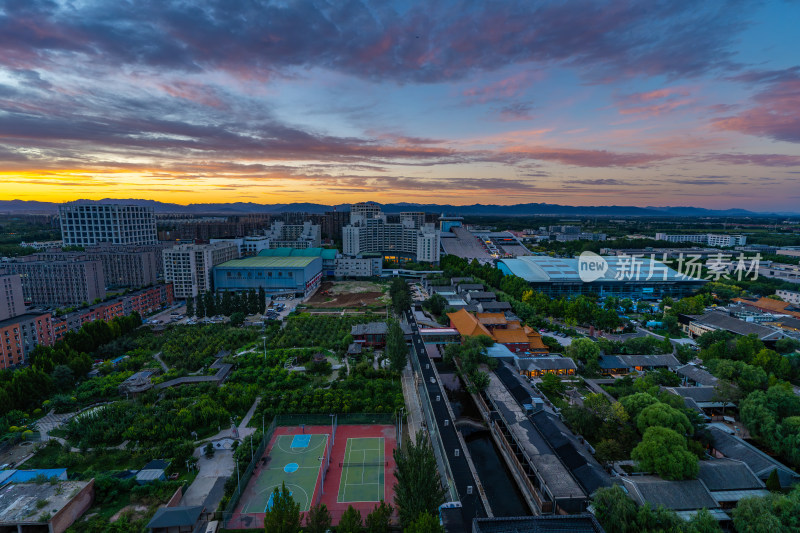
295	460
362	478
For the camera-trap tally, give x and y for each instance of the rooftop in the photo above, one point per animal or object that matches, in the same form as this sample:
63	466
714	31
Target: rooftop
325	253
582	523
697	374
728	474
269	262
720	320
551	362
175	517
627	361
676	495
18	501
539	268
372	328
759	462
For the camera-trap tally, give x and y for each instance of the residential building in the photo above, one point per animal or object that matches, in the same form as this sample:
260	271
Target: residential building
189	266
123	266
793	297
248	246
91	224
305	235
59	283
20	335
710	239
333	222
623	277
354	267
11	299
371	334
295	275
410	239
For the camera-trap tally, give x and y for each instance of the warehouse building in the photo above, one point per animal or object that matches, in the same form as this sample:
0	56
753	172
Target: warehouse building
296	275
623	277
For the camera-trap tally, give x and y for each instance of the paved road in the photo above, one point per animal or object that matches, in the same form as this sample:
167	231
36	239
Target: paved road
415	417
206	487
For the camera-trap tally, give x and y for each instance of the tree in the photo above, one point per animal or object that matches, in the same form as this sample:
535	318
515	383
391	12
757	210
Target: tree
284	515
425	523
396	349
318	519
479	381
662	415
63	378
237	319
665	452
586	351
209	450
552	384
262	300
615	511
702	522
755	515
400	295
378	521
200	310
350	521
418	488
774	481
636	403
190	306
436	304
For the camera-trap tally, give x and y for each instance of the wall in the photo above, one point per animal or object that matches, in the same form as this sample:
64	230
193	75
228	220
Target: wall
73	510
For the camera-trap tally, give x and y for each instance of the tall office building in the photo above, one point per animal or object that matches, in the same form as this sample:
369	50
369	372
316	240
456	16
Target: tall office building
91	224
188	266
370	233
11	300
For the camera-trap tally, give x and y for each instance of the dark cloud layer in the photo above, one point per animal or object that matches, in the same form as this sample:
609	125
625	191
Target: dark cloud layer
431	41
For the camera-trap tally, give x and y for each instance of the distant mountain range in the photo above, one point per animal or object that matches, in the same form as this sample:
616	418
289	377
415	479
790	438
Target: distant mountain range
22	207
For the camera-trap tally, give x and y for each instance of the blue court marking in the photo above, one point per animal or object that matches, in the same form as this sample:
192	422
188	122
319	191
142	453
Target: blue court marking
291	467
269	502
301	441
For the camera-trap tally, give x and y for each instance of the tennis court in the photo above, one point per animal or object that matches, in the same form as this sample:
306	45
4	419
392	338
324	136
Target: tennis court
363	470
295	460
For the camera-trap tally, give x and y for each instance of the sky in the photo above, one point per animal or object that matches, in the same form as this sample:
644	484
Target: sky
651	103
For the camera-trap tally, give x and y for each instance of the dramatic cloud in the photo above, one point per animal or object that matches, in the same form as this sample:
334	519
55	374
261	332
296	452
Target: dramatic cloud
776	113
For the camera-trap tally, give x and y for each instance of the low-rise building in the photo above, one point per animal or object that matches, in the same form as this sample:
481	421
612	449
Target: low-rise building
510	333
625	364
65	502
761	464
536	367
354	267
296	275
720	320
793	297
694	376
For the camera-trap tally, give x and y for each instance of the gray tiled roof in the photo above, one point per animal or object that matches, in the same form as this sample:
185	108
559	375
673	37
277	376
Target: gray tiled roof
626	361
676	495
697	374
583	523
545	363
175	517
728	474
373	328
759	462
720	320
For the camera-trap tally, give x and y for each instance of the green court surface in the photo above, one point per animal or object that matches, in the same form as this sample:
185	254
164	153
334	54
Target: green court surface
295	460
362	471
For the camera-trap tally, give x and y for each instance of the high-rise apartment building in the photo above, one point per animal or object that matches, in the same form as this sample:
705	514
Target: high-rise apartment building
91	224
188	266
60	283
410	239
305	235
333	222
123	266
11	300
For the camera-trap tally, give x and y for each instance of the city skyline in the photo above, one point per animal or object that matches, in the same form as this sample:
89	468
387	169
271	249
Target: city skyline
574	103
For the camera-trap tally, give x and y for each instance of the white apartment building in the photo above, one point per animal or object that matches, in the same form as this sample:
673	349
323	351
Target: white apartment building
188	266
369	232
305	235
248	246
710	239
353	267
792	297
91	224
